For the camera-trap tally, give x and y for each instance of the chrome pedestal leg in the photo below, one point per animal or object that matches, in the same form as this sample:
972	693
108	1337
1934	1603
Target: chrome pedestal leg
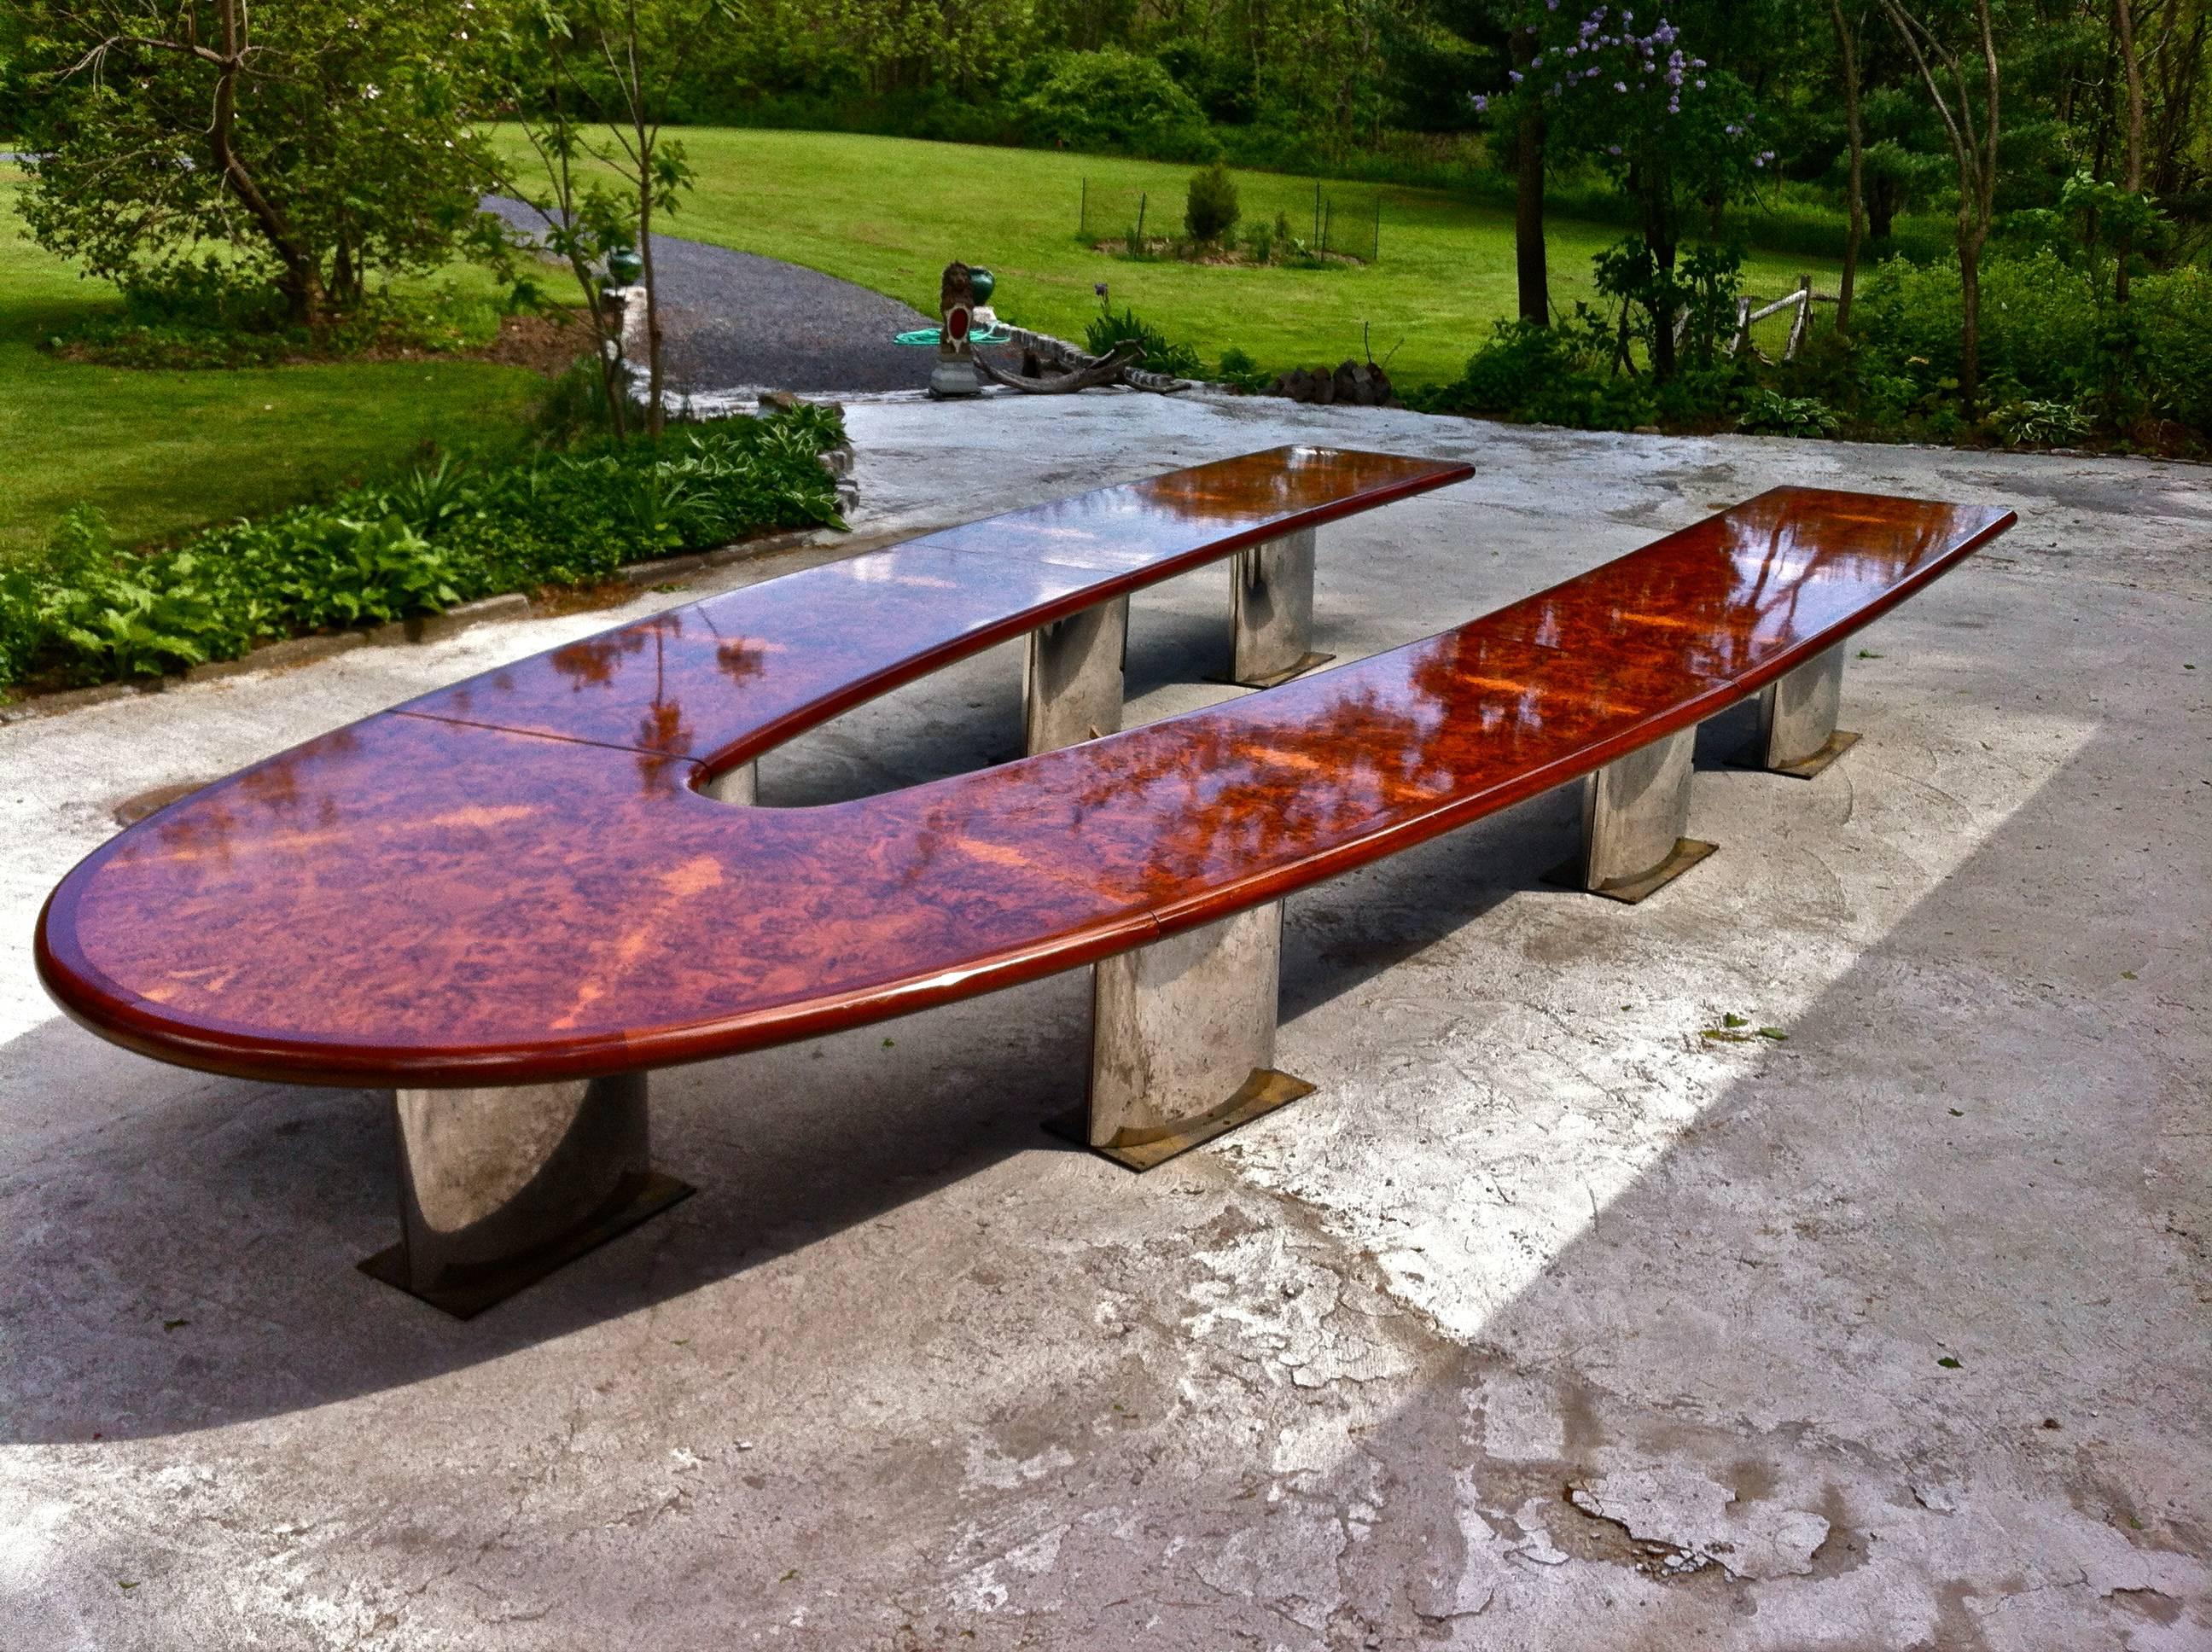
499	1188
1635	810
740	785
1183	1040
1798	731
1072	681
1271	611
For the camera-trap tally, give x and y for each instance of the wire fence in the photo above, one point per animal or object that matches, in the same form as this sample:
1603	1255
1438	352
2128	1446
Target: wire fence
1293	221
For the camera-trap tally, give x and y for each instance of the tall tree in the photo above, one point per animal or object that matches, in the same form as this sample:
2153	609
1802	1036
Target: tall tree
1974	137
321	139
1672	130
643	48
2124	30
1532	271
1855	147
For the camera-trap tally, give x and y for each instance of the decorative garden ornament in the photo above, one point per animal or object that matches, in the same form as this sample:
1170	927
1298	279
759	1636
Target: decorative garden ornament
955	372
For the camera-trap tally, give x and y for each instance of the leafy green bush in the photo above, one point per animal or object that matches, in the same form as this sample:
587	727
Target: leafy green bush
1699	294
2173	315
1161	355
1508	372
1210	211
1115	100
2039	424
1547	375
1769	413
83	612
2039	324
2050	336
1240	370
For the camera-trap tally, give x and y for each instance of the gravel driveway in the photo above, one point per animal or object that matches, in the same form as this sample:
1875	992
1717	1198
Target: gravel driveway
738	321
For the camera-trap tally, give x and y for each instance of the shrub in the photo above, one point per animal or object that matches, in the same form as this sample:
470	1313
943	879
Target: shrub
2173	315
1547	375
1699	294
82	612
2039	325
1241	370
1115	100
2039	424
1210	212
1510	370
1106	330
1699	397
1769	413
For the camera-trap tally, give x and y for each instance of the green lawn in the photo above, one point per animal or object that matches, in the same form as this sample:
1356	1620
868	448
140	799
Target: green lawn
889	213
162	451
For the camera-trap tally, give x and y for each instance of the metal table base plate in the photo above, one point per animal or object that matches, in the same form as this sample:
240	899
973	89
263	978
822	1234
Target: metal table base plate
1262	1093
1688	850
1753	756
465	1292
1272	679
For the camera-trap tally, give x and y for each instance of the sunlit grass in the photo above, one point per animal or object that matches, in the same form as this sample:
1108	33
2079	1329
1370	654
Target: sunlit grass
889	213
159	452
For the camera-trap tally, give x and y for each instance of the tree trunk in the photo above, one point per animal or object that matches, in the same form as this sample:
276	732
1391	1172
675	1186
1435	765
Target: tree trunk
2179	60
1970	321
1881	210
1530	268
655	409
1975	149
1663	309
1855	138
2124	22
305	301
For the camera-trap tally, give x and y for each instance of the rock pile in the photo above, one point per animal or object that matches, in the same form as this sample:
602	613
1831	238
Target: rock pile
1354	383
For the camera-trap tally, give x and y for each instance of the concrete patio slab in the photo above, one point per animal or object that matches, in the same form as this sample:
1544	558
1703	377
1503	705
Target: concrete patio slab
1547	1322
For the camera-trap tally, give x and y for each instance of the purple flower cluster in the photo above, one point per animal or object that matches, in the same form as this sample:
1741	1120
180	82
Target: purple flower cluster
1593	37
1606	50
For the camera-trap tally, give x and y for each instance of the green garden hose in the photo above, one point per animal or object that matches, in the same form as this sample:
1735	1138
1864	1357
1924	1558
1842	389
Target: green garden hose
929	336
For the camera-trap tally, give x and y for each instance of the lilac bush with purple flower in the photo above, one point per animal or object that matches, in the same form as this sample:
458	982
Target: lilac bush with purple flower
1675	130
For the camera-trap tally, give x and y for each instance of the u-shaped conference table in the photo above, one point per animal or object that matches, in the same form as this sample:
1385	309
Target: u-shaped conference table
510	899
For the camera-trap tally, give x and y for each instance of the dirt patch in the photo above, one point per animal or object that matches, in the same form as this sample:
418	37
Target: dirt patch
549	344
1181	250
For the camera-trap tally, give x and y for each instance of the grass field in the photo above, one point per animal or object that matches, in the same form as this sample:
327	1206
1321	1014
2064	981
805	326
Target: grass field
889	213
162	451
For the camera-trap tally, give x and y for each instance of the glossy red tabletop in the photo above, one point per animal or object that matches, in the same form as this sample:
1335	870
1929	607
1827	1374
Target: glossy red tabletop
725	679
414	901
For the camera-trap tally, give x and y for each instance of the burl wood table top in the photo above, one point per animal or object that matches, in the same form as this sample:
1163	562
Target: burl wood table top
512	879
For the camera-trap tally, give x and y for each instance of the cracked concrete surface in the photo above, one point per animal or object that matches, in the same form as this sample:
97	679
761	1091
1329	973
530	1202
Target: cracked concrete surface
1546	1323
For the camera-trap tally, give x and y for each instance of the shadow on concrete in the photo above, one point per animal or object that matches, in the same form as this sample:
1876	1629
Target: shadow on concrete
192	1265
1966	1152
184	1254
